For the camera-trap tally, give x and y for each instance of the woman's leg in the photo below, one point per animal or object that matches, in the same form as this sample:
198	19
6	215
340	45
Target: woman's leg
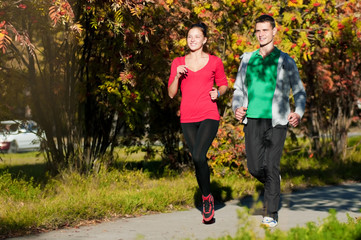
199	137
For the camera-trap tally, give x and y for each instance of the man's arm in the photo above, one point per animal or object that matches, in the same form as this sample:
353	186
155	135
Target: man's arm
238	94
298	90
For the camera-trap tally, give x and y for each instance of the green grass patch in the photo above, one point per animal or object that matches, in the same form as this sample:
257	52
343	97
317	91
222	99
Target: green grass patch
130	188
300	169
329	228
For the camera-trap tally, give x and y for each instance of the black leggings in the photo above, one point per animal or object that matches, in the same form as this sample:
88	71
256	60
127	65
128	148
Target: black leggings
199	137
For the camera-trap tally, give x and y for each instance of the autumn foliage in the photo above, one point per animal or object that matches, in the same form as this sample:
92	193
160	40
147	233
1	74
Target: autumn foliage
114	59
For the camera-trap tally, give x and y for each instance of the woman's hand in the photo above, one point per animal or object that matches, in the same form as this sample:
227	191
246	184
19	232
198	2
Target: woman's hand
173	88
214	94
181	70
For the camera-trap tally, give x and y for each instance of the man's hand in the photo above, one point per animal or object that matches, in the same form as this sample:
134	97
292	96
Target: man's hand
240	113
294	119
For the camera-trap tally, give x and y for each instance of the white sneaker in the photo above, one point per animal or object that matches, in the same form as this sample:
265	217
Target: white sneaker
269	222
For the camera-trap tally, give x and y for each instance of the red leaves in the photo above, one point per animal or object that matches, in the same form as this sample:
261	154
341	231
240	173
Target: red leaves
316	4
129	76
133	96
340	26
22	6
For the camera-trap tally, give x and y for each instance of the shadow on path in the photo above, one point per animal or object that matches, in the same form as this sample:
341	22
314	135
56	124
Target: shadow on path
342	198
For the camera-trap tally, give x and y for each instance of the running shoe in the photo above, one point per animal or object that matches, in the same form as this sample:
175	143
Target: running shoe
269	222
208	208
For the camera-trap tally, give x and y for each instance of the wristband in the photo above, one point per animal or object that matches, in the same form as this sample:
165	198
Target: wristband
219	94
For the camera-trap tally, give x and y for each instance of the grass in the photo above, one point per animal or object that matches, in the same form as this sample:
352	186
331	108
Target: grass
301	170
329	228
32	201
30	204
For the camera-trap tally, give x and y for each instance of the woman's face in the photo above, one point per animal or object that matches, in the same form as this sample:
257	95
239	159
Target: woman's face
196	39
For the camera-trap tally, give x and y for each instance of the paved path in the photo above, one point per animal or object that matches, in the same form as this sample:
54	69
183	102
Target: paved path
297	209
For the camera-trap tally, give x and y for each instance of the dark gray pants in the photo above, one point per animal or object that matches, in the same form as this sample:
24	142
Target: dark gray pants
264	146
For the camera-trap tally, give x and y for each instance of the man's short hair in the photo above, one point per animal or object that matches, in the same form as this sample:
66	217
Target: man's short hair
266	18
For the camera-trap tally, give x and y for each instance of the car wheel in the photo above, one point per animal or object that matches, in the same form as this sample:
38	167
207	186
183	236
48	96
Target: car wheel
13	147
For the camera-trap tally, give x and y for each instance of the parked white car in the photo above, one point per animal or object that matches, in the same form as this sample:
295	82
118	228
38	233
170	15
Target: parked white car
19	136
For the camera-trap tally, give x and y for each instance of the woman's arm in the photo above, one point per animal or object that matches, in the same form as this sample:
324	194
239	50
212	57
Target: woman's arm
222	90
173	87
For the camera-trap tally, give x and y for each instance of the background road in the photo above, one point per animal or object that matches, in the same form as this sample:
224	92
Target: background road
297	209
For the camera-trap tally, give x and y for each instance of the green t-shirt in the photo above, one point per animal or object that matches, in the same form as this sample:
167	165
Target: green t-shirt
261	80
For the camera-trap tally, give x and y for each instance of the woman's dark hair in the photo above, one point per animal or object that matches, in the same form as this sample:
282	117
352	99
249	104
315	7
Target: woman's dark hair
266	18
202	26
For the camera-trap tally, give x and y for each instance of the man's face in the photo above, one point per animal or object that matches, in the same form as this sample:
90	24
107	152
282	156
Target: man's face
265	33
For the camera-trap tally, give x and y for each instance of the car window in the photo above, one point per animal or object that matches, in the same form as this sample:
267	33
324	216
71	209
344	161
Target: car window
8	128
14	128
11	127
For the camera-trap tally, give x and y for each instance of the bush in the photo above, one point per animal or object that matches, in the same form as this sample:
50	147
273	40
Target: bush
227	152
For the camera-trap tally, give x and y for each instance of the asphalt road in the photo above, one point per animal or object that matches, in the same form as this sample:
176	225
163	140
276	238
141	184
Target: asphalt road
298	208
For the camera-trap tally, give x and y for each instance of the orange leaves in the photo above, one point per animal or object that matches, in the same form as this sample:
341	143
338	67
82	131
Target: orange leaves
61	10
5	40
295	3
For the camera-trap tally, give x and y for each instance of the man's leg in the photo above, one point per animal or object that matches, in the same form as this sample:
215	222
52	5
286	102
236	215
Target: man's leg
277	138
256	131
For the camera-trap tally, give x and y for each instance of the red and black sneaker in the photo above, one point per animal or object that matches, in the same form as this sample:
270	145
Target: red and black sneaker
208	209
